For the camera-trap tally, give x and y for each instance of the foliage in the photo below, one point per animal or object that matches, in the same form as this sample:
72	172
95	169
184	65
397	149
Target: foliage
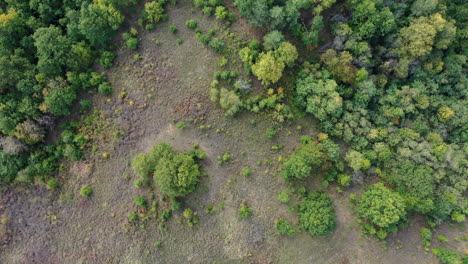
284	196
381	207
310	155
86	191
316	214
446	256
285	228
426	236
271	132
174	174
153	12
245	211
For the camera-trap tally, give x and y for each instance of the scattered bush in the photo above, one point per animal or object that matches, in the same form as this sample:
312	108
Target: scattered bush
271	132
52	184
285	228
86	191
245	211
284	197
172	29
246	172
191	23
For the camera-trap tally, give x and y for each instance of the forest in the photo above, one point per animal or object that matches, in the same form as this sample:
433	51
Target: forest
268	124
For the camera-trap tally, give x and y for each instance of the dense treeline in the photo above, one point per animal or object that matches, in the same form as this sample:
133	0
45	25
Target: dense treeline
46	52
392	85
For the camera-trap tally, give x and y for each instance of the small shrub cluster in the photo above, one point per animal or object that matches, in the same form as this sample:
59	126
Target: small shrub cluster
316	214
284	227
175	174
245	211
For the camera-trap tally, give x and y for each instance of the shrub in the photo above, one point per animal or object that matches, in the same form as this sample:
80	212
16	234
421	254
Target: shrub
246	172
106	59
133	217
179	41
85	104
172	29
105	88
446	256
207	11
245	211
271	132
52	184
221	12
285	228
181	125
191	216
344	179
86	191
458	217
426	236
442	238
191	23
153	12
132	43
229	101
174	174
283	196
217	44
141	201
224	158
316	214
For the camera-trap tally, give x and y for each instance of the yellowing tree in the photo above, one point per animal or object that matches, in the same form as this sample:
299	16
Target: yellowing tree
268	69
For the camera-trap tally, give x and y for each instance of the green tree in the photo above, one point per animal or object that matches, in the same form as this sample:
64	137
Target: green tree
52	50
273	40
381	206
98	23
319	97
268	69
316	214
153	12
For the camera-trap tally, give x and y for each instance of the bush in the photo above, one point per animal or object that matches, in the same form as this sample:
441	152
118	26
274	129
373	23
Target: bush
426	236
446	256
172	29
133	217
207	11
285	228
344	179
132	43
245	211
181	125
191	23
271	132
217	44
86	191
316	214
221	12
105	88
141	201
52	184
174	174
106	59
283	196
153	12
246	172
